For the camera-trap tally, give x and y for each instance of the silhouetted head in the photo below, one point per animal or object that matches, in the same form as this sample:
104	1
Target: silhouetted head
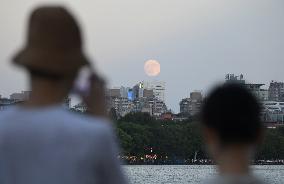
231	116
53	52
54	44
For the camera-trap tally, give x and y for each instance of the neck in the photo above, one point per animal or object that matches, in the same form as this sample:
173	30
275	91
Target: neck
46	93
234	161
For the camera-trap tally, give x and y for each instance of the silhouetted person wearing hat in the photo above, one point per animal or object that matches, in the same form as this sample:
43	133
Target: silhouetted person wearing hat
41	142
232	129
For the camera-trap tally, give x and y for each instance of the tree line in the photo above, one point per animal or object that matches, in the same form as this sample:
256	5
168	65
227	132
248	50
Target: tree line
174	142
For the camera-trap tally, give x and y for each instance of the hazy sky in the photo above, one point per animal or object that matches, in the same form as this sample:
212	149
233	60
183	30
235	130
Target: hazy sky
196	41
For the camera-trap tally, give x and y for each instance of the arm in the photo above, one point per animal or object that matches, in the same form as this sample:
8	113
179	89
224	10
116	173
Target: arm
96	98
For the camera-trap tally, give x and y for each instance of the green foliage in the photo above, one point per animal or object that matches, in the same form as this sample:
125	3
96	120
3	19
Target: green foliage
138	118
139	132
126	141
273	145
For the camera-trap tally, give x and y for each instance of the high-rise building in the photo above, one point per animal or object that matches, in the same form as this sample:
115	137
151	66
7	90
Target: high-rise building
263	94
124	91
158	88
159	107
235	78
152	105
121	105
143	97
114	92
276	91
196	95
191	106
148	93
137	91
130	95
256	89
184	106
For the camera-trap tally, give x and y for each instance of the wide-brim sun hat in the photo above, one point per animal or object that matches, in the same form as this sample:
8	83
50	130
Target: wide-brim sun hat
54	42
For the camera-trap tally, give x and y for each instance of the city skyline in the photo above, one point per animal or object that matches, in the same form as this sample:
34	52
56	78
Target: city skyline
153	93
195	42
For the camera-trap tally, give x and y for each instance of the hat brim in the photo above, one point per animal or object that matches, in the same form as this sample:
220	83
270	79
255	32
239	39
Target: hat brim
61	63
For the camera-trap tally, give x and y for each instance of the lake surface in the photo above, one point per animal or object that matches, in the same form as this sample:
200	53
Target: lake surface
181	174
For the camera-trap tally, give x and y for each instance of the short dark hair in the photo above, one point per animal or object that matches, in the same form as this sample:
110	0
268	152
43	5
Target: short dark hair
234	113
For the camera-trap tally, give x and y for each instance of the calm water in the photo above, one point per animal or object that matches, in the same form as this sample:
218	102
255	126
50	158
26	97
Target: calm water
190	174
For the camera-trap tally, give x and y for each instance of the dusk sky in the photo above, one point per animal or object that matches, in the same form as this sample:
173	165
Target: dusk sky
196	41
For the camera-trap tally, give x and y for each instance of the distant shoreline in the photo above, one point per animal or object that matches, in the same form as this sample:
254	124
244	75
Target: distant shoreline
193	164
208	162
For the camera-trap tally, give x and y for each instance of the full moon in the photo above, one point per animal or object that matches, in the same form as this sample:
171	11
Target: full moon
152	68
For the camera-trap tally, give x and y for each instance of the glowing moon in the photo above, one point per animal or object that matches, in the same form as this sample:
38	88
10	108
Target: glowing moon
152	68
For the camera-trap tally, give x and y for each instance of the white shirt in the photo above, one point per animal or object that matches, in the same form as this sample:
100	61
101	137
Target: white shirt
51	145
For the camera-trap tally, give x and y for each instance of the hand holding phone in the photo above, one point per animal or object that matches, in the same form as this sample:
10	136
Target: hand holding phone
91	88
82	83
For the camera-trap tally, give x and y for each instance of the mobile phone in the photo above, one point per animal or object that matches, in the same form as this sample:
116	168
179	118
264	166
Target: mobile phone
82	82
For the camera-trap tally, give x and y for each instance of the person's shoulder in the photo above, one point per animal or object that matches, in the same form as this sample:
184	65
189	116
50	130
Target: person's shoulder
97	131
6	113
96	124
